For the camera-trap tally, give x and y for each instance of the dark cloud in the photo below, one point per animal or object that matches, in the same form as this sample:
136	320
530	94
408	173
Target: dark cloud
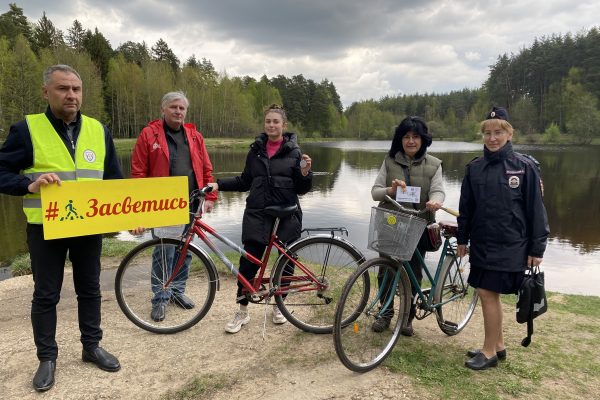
300	27
367	48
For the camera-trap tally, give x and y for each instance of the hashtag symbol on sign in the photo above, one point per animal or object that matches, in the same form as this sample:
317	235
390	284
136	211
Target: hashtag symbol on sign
52	211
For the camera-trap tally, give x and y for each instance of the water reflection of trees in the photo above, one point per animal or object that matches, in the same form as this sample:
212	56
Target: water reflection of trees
571	190
326	165
571	186
572	194
12	227
571	181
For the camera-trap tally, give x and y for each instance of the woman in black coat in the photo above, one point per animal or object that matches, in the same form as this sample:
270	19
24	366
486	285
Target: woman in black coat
503	218
276	172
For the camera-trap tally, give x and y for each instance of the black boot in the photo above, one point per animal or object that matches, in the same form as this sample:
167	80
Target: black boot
382	323
44	376
407	330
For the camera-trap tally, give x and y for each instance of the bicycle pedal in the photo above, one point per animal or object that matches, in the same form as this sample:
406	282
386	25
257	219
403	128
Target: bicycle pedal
328	300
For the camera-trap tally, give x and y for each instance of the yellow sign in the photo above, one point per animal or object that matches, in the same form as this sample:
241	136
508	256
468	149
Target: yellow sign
90	207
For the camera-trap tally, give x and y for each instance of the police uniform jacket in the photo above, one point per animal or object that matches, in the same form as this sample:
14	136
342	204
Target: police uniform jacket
16	154
271	181
502	214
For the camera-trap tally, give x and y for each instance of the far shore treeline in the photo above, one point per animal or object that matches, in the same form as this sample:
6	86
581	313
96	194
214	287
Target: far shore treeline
551	89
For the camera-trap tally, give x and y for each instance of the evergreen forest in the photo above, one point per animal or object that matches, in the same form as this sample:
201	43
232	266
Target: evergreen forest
551	89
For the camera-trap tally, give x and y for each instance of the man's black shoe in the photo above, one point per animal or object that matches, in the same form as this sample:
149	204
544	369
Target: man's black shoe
183	301
44	376
102	358
500	354
158	312
480	362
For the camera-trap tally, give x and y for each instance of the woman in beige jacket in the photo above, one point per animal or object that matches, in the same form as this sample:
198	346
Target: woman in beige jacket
408	164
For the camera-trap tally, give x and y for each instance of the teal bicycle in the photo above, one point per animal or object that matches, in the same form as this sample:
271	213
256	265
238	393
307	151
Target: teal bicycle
381	288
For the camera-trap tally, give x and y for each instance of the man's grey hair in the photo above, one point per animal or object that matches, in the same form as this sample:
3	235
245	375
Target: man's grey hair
59	67
172	96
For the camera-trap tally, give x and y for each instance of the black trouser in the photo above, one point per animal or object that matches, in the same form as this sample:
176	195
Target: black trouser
417	269
248	270
47	264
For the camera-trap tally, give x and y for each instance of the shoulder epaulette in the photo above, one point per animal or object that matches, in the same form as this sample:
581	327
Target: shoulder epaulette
474	159
529	159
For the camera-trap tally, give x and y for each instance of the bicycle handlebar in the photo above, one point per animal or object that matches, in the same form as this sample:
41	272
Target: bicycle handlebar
418	212
198	193
404	209
205	190
450	211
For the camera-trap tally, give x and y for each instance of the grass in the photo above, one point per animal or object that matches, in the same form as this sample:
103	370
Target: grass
562	355
437	368
111	247
561	362
199	387
126	145
21	265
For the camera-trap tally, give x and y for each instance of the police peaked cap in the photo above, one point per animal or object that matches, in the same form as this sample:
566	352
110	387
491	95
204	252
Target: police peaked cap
497	113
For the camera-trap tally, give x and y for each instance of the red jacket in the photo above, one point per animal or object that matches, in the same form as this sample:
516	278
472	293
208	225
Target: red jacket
150	156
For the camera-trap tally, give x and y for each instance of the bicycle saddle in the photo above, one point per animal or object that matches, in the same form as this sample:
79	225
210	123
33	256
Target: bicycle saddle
281	211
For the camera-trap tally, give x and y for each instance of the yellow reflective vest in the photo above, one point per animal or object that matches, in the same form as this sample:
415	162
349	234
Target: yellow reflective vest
51	155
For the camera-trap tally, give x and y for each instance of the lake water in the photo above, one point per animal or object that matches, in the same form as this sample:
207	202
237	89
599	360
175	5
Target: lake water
345	172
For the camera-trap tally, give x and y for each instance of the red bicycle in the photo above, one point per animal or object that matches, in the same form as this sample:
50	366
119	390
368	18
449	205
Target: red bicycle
306	279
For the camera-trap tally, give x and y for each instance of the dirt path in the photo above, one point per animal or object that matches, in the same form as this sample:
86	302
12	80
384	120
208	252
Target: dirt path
154	364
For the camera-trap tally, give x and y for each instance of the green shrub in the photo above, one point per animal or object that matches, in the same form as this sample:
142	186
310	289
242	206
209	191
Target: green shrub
552	133
21	265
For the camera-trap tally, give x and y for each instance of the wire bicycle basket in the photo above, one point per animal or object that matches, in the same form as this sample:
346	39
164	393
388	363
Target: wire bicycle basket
393	233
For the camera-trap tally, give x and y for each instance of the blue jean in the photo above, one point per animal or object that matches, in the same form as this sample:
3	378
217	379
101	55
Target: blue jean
164	260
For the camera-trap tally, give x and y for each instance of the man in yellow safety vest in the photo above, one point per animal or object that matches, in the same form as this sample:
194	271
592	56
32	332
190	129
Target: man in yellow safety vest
44	149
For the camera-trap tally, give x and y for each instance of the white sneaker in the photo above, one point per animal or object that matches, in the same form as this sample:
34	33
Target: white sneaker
240	318
278	317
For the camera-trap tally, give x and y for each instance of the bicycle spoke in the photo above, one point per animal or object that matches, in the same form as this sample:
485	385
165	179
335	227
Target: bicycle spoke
307	304
457	298
367	322
146	278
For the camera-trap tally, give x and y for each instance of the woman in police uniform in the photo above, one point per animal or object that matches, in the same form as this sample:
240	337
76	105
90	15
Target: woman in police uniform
503	219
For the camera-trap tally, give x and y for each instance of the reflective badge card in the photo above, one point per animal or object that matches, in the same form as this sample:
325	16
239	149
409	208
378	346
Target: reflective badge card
412	194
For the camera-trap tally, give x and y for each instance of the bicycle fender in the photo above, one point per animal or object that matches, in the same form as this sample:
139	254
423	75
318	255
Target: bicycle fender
349	243
208	261
310	237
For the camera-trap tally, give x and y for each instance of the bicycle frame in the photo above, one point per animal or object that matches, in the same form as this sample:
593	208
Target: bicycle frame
201	229
426	298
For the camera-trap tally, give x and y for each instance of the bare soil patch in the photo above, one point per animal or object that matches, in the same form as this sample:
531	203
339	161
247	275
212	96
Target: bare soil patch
287	363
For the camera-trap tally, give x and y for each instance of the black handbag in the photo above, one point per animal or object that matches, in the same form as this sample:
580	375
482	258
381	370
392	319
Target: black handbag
531	300
431	239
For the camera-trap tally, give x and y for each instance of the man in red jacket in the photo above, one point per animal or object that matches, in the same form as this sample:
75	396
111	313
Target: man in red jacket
171	147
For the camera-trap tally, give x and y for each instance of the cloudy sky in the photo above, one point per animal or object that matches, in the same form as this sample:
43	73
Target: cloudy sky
369	49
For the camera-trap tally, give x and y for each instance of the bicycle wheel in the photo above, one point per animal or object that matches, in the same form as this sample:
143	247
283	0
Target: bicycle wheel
359	344
332	261
141	278
457	297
